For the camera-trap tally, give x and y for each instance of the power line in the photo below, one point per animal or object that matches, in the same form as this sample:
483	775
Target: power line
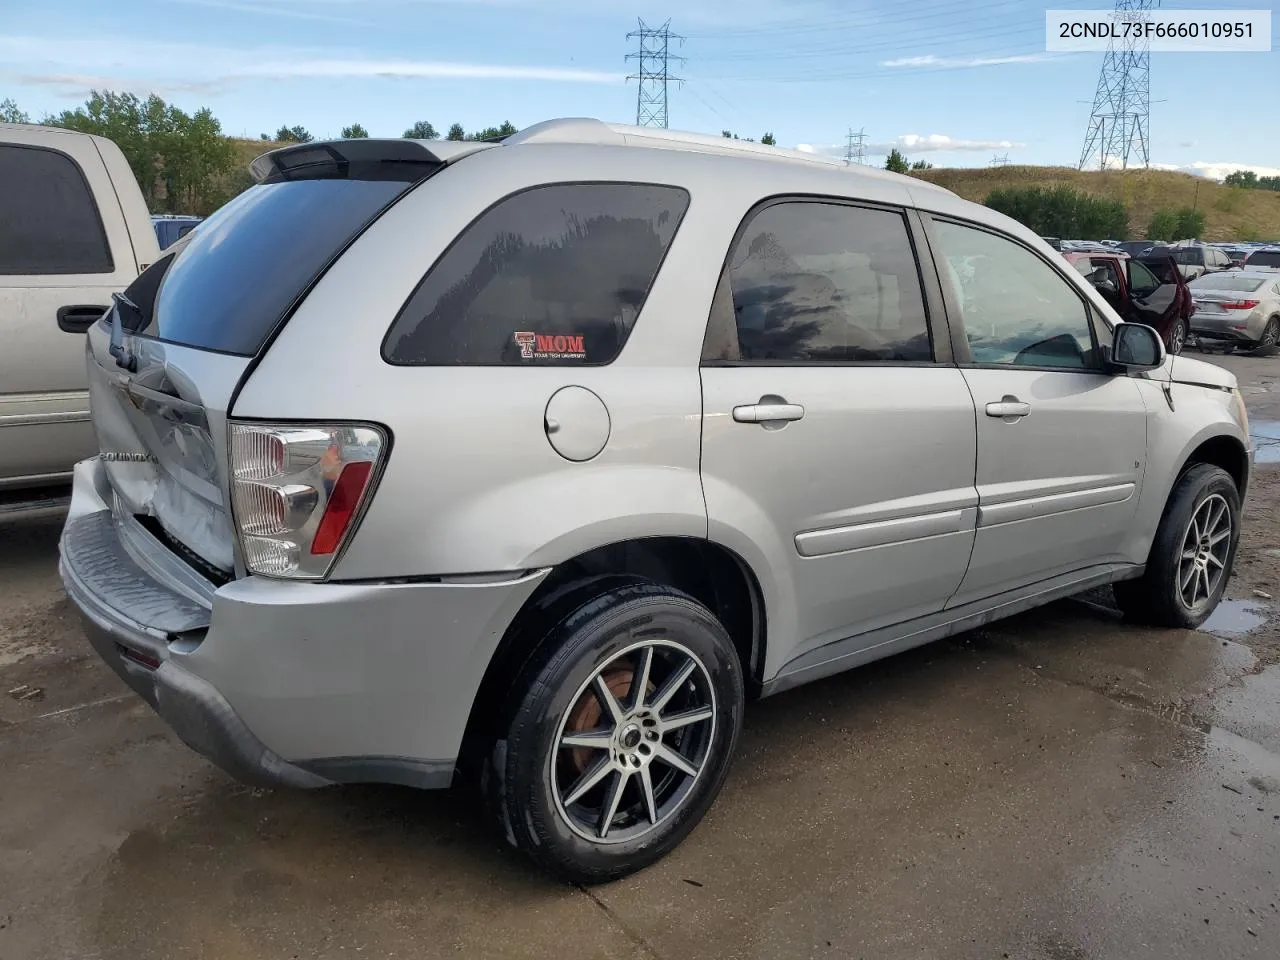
1121	114
652	71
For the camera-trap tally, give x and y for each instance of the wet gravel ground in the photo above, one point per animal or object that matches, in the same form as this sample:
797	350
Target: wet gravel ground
1059	785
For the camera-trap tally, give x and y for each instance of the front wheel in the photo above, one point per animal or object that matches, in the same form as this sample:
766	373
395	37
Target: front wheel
623	733
1192	554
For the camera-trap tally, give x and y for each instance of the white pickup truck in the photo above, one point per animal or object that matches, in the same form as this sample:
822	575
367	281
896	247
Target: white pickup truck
74	229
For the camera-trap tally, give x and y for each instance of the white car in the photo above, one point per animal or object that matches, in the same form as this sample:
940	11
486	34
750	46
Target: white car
74	230
1241	307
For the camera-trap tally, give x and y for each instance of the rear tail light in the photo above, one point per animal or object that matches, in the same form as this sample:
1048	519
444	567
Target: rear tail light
1240	305
297	491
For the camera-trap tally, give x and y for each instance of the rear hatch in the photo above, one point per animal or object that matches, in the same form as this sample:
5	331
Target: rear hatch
167	360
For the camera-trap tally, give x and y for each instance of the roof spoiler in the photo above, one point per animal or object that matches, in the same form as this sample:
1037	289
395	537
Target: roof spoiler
361	159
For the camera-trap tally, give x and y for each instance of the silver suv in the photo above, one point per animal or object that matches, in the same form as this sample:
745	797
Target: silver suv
536	460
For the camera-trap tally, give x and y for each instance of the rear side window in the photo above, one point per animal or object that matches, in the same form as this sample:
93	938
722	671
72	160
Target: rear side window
49	223
553	275
243	269
812	282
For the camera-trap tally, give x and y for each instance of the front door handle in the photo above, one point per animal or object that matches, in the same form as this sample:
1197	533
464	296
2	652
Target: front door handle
770	410
1008	409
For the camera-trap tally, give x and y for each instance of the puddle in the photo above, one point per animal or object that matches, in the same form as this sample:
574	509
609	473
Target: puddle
1266	441
1235	618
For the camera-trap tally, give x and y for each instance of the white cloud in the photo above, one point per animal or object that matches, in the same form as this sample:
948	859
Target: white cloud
1187	143
74	65
938	142
954	63
272	10
1219	170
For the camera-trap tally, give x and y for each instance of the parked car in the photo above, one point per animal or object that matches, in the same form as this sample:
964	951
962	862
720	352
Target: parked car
1268	259
1240	308
1195	259
1135	248
172	228
598	462
74	230
1147	290
1236	255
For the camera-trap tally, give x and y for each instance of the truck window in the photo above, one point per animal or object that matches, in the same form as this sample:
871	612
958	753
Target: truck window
51	223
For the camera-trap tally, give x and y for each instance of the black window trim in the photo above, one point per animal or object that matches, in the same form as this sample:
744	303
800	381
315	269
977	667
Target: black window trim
385	345
960	344
93	202
930	287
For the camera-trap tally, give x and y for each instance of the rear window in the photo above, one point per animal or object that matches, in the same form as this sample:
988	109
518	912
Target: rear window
1264	258
1189	256
50	223
550	276
1226	281
242	270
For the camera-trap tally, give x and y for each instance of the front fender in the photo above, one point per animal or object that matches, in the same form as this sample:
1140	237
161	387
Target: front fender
1199	414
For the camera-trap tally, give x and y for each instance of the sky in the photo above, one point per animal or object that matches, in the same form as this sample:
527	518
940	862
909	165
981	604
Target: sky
954	83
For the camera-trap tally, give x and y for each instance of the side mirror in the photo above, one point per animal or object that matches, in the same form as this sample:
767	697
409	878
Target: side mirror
1137	347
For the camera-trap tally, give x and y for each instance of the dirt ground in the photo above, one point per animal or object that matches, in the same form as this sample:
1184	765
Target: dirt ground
1057	786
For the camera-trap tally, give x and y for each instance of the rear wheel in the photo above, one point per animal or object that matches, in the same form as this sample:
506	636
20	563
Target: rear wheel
1271	334
1192	555
622	734
1178	337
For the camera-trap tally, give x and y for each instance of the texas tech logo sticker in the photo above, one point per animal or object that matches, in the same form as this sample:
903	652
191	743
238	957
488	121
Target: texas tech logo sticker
541	346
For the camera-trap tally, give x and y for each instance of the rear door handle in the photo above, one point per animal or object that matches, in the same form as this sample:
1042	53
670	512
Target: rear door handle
78	319
1009	408
768	410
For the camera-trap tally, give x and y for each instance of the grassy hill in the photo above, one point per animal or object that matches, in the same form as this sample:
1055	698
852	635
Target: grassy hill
1231	213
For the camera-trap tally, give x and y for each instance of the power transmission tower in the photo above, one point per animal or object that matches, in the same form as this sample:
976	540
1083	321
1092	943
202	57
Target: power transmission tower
999	160
652	62
1122	104
855	150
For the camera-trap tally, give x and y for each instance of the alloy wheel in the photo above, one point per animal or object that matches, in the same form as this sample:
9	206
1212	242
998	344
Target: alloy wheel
1205	546
1178	338
633	742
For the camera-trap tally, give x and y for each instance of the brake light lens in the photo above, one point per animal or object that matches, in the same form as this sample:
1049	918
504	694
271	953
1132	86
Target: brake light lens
297	491
1240	305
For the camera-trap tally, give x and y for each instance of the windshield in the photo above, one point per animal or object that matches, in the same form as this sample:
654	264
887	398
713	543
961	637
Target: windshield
1227	281
1264	258
242	270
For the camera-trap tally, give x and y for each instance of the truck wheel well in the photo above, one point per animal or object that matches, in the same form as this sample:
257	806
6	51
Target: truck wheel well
706	571
1224	452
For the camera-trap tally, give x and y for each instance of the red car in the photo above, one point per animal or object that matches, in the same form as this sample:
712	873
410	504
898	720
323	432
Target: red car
1147	289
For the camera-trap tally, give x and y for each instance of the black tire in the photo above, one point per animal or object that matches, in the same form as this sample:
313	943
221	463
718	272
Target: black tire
1178	337
1156	597
1270	334
527	766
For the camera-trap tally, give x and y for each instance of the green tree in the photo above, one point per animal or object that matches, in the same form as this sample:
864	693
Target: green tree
354	132
294	134
896	162
1163	225
493	133
422	130
1241	178
456	133
9	112
768	140
922	165
1062	212
1190	224
181	161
